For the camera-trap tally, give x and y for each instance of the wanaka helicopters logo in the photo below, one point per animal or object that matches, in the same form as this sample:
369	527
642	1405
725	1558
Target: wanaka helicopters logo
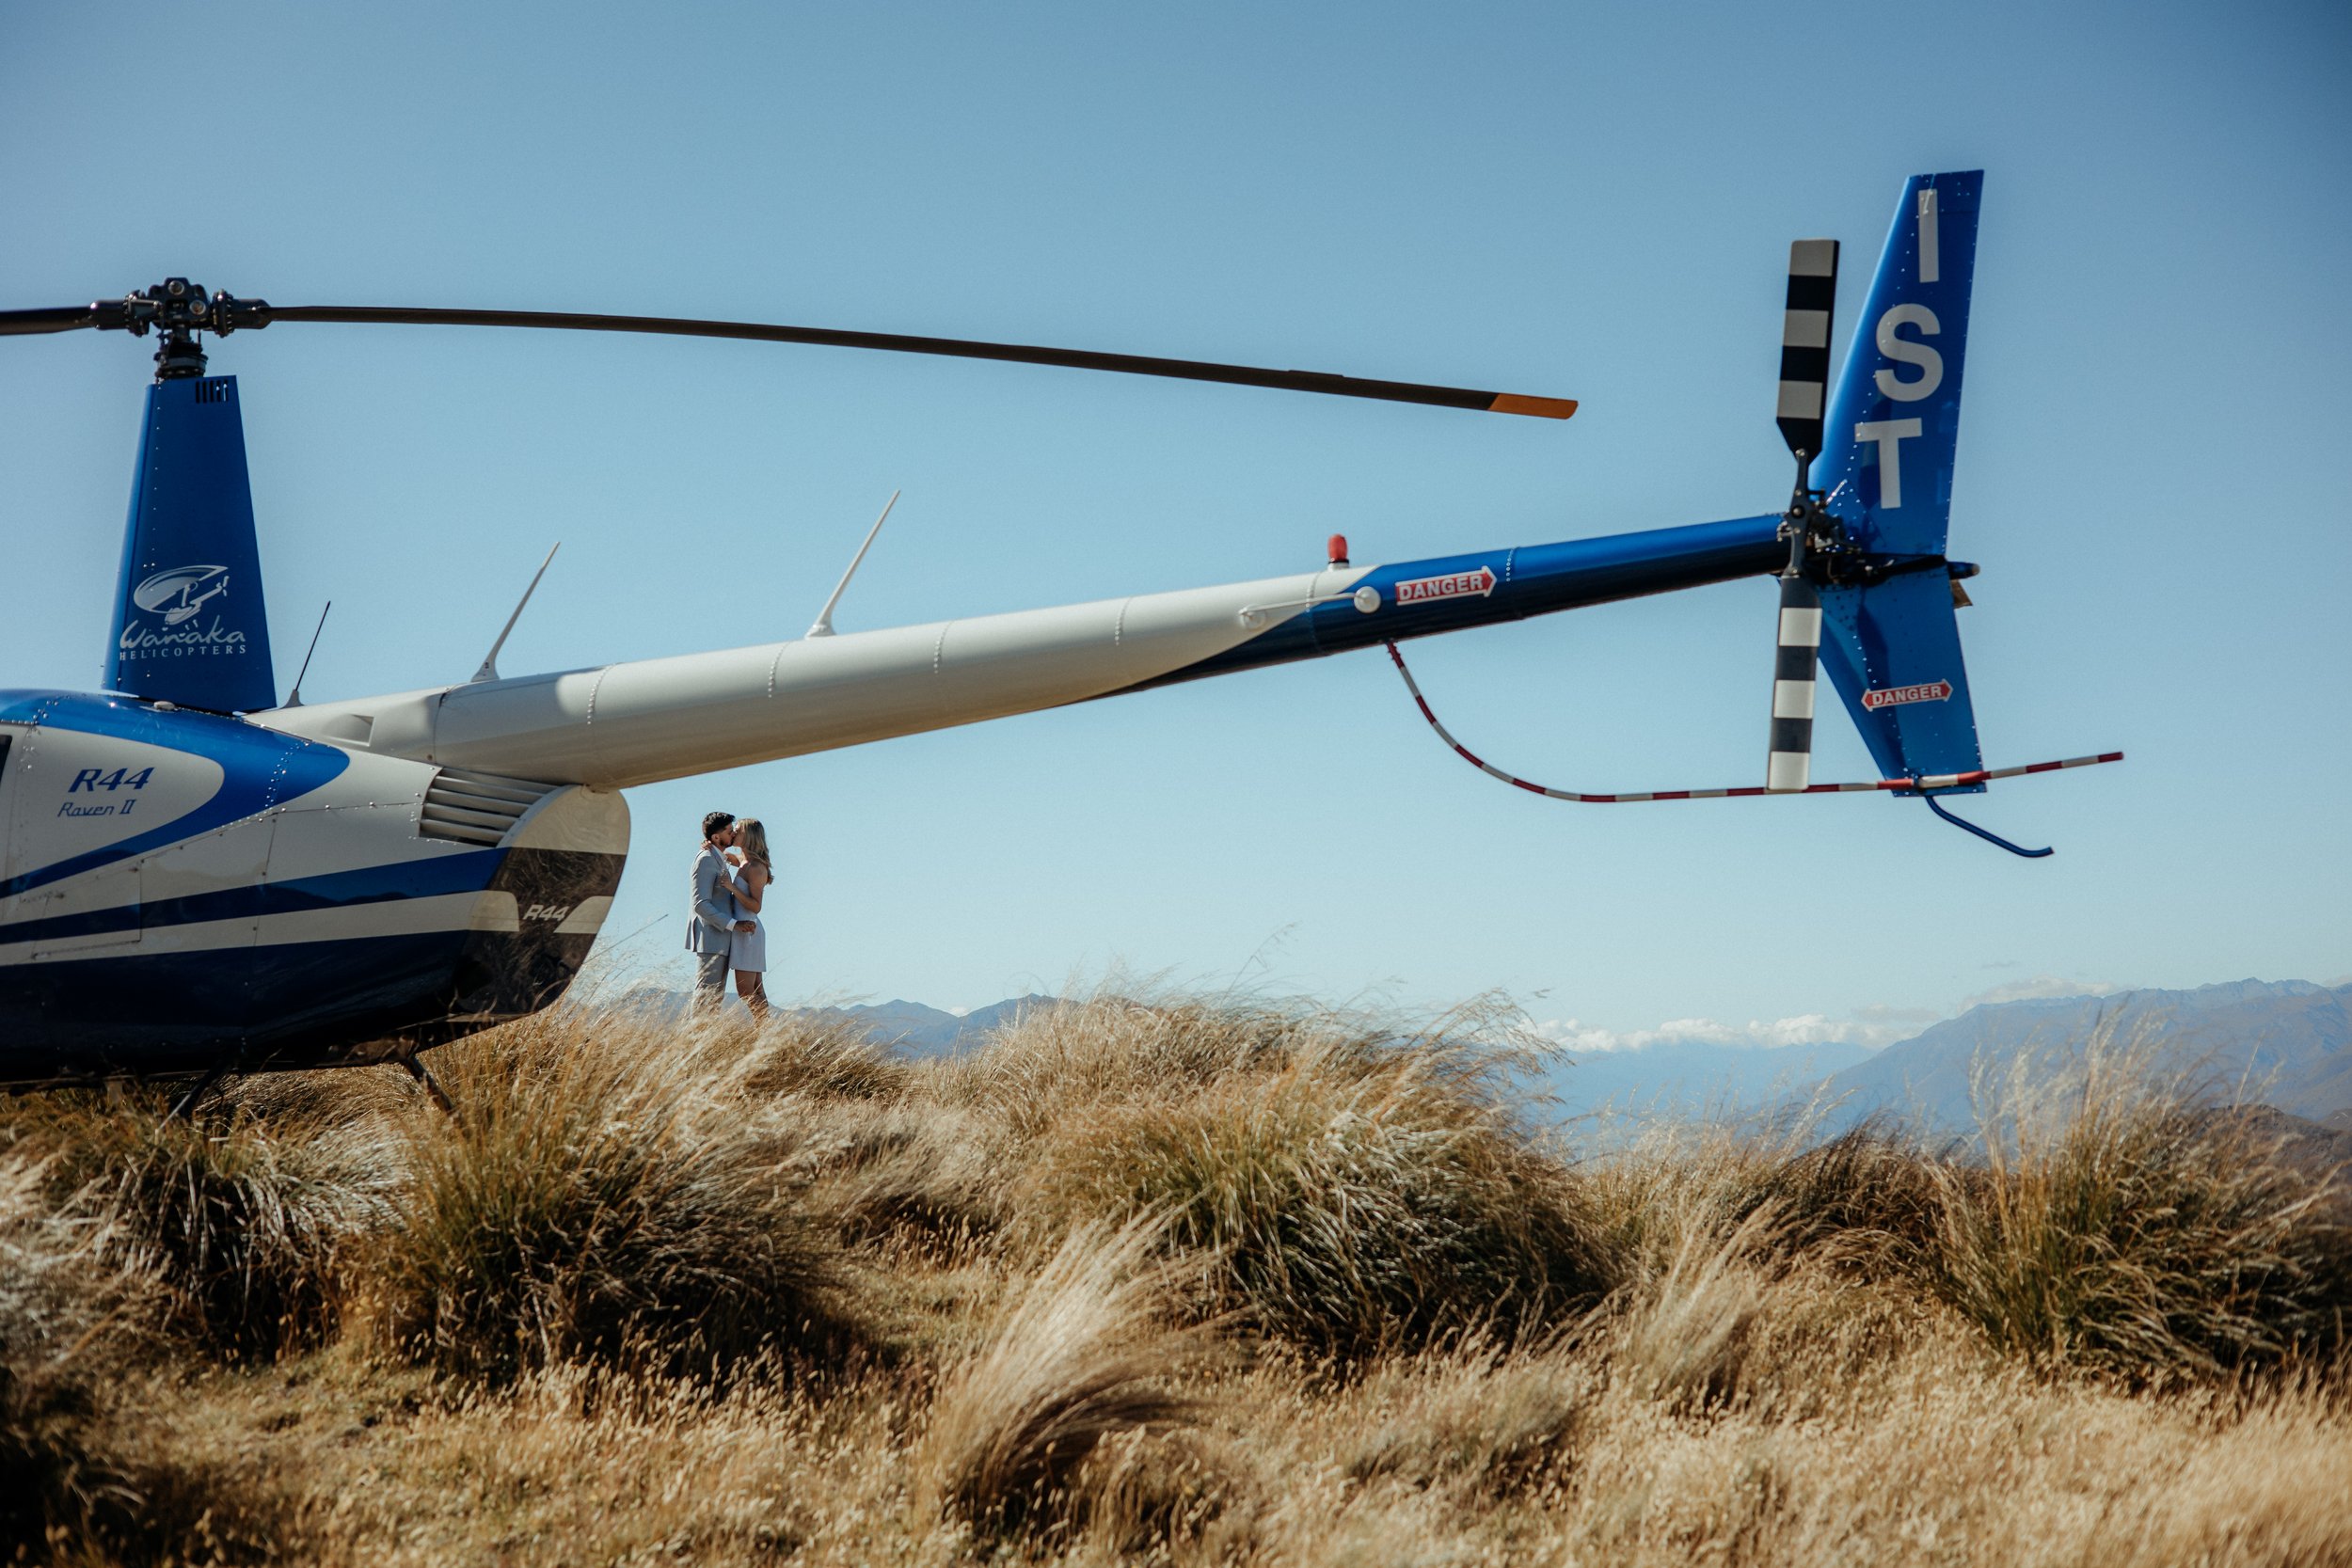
176	597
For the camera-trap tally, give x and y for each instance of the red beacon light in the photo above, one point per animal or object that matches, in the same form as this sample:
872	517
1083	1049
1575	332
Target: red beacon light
1337	549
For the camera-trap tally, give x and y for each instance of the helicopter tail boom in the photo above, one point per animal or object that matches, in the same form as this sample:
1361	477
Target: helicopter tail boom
645	721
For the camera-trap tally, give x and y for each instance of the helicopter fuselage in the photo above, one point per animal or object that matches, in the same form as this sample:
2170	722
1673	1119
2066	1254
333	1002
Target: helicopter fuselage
181	889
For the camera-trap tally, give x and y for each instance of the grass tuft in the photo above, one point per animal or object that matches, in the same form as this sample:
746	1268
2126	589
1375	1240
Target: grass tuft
2120	1226
1869	1192
1080	1356
1351	1192
605	1197
1688	1340
1489	1423
54	1303
1110	1048
245	1221
913	1174
801	1055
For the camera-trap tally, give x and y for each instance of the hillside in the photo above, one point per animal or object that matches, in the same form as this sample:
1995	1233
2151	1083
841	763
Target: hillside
2286	1043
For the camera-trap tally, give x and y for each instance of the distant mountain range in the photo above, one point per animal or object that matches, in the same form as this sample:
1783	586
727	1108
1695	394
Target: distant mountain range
921	1031
2286	1043
907	1026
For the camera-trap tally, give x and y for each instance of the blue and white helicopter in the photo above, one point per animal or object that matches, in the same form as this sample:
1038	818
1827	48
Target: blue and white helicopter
199	878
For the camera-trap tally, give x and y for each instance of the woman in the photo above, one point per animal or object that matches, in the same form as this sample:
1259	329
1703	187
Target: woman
754	873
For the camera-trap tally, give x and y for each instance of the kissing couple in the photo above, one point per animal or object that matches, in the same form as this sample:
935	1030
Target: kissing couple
732	875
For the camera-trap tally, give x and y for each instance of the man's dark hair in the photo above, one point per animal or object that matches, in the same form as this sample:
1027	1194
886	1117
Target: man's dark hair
715	823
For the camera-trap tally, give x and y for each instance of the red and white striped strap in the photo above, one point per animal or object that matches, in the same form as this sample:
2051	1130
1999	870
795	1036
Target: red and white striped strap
1931	781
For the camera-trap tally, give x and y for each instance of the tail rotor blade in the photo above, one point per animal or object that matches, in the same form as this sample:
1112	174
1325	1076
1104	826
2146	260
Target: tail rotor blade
1805	344
1789	768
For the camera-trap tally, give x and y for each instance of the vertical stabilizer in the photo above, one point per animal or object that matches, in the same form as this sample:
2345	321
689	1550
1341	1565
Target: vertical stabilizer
1890	641
190	624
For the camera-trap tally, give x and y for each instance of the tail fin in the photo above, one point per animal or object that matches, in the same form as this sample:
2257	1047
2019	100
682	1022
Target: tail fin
190	625
1892	646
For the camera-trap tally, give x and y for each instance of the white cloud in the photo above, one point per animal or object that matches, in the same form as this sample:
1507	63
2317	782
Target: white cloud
2040	988
1573	1035
1874	1027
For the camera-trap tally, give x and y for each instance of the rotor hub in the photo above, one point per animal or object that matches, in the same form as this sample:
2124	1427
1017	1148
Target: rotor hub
177	310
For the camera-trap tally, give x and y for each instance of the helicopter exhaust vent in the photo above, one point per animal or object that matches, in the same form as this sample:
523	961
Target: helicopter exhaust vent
476	808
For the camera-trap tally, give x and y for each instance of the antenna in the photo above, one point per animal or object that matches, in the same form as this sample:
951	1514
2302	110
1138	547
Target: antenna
490	671
294	698
824	627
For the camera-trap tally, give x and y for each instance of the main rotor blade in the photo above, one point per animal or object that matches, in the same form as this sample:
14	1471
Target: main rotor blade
1131	364
65	318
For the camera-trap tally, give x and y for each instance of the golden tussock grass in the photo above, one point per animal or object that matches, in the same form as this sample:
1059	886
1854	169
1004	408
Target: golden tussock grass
641	1209
1351	1192
239	1227
1170	1281
1015	1443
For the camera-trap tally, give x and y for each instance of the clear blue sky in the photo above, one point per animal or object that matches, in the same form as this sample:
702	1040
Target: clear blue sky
1586	202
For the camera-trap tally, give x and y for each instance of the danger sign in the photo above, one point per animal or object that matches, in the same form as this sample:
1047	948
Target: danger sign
1453	585
1935	692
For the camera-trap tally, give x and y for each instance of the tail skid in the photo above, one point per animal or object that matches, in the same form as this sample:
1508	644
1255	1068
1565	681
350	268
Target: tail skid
1921	785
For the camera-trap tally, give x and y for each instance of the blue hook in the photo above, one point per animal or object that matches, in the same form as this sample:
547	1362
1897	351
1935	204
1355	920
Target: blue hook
1988	837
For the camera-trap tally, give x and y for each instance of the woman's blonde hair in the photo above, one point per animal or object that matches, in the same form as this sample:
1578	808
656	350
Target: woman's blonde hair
750	836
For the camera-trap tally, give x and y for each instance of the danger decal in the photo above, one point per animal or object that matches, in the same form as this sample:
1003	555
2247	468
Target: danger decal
1453	585
1934	691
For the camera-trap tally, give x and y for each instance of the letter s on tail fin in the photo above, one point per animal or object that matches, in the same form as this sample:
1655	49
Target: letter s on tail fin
1892	649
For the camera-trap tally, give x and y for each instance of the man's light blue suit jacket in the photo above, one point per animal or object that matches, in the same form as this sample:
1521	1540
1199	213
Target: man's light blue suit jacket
712	929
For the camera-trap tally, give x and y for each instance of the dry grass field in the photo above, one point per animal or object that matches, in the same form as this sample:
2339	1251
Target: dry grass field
1161	1281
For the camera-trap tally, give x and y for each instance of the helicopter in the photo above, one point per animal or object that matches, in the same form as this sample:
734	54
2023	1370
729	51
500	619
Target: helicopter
198	879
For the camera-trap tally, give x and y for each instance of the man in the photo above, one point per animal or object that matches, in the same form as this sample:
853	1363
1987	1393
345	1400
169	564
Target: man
711	930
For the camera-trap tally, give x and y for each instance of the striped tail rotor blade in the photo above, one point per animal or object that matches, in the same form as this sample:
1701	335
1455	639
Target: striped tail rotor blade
1789	768
1804	343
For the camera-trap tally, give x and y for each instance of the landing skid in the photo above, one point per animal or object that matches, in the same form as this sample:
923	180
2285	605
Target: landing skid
426	1081
184	1108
